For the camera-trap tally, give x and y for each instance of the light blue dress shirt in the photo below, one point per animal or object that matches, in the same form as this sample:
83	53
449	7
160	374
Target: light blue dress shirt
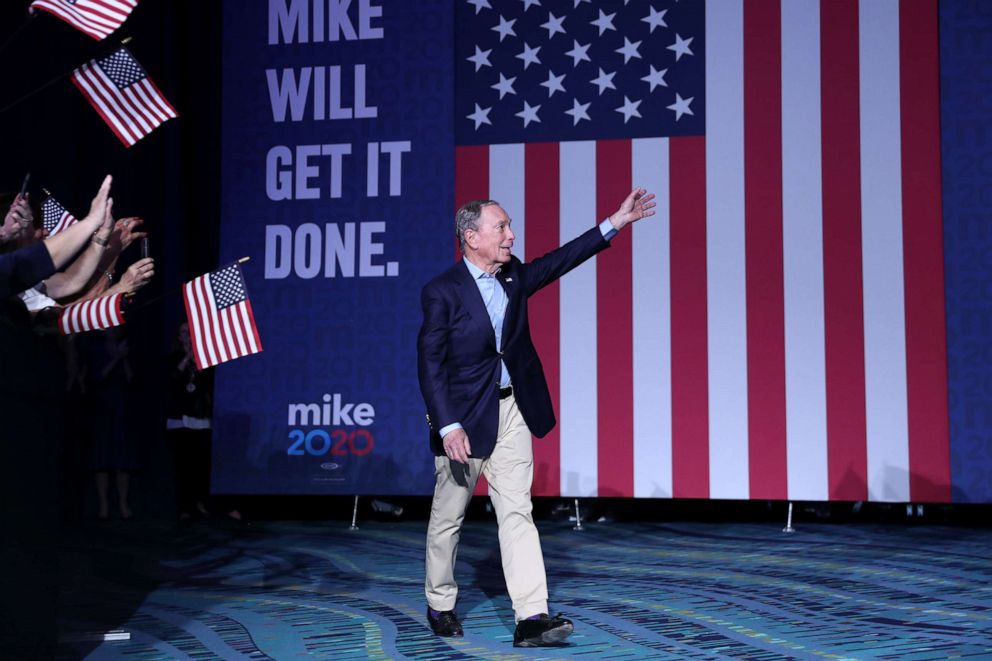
494	296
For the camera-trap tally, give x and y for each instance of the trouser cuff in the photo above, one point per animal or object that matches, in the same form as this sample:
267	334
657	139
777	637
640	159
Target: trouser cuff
528	610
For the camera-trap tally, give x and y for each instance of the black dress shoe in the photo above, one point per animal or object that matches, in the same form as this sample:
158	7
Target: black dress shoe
445	624
542	632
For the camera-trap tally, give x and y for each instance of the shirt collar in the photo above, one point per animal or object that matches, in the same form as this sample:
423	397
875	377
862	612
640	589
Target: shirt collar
476	272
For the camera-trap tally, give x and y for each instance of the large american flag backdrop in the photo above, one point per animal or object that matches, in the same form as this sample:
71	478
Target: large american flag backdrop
780	329
777	330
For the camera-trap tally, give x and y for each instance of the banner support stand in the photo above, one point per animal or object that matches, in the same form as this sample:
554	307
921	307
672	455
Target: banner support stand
788	521
354	515
578	518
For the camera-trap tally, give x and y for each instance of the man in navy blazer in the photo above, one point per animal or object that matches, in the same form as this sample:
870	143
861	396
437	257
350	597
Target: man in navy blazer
486	397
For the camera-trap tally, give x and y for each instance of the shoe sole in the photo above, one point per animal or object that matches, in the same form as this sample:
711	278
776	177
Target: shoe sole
548	638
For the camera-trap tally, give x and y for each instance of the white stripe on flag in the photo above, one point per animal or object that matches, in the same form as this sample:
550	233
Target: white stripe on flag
579	420
234	318
124	104
94	90
802	237
881	237
246	323
200	298
726	307
506	186
652	338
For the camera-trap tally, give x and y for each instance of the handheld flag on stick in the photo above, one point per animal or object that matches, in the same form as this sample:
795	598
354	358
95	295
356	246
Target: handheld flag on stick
95	314
54	216
221	321
119	89
97	18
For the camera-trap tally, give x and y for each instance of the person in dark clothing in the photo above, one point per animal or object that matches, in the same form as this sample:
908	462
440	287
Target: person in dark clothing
189	429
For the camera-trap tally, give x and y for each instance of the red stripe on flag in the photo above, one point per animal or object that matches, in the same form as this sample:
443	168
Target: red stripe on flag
542	209
765	286
844	335
472	183
194	327
926	357
614	320
690	367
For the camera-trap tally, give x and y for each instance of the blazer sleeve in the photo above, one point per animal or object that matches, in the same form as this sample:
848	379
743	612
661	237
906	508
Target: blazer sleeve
432	356
24	268
546	269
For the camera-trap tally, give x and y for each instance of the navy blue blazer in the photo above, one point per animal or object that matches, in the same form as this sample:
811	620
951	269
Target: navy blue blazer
457	362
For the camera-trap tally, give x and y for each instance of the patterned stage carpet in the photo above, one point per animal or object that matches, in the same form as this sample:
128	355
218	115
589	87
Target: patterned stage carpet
635	591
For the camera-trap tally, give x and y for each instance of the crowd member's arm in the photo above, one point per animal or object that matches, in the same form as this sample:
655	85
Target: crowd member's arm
23	268
125	233
66	244
67	283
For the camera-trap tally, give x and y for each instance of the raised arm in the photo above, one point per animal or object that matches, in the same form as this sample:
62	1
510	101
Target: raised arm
68	282
66	244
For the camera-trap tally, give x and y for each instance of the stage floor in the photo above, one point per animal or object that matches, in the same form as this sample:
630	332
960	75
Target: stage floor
634	591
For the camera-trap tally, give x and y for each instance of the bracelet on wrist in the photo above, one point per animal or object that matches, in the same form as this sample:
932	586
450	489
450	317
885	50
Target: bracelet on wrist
100	242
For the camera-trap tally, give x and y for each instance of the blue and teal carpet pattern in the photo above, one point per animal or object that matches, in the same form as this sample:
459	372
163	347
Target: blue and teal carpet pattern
634	591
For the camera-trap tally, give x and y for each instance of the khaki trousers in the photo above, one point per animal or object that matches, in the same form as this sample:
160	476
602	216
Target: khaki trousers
510	471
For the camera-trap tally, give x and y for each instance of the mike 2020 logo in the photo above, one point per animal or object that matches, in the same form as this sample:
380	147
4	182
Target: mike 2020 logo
340	428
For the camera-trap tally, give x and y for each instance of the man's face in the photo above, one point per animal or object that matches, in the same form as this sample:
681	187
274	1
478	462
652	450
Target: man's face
492	242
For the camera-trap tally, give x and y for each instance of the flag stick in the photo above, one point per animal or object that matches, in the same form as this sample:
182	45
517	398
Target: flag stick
54	80
13	36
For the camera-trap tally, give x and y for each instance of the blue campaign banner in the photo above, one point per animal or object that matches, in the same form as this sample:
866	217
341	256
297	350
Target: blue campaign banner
337	157
966	121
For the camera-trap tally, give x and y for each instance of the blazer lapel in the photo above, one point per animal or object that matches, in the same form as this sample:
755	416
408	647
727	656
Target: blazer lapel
508	279
472	299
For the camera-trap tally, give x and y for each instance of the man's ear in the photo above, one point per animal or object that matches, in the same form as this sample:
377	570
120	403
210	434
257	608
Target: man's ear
470	238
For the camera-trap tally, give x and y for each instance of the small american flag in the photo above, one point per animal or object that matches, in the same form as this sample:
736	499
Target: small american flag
94	314
221	321
54	216
97	18
127	99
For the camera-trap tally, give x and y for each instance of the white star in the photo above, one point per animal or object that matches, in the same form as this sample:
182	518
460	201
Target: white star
604	22
629	50
578	111
578	53
481	58
629	109
529	55
529	114
480	5
553	25
655	78
505	28
553	83
681	106
529	3
505	86
656	19
480	116
579	2
681	46
604	81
